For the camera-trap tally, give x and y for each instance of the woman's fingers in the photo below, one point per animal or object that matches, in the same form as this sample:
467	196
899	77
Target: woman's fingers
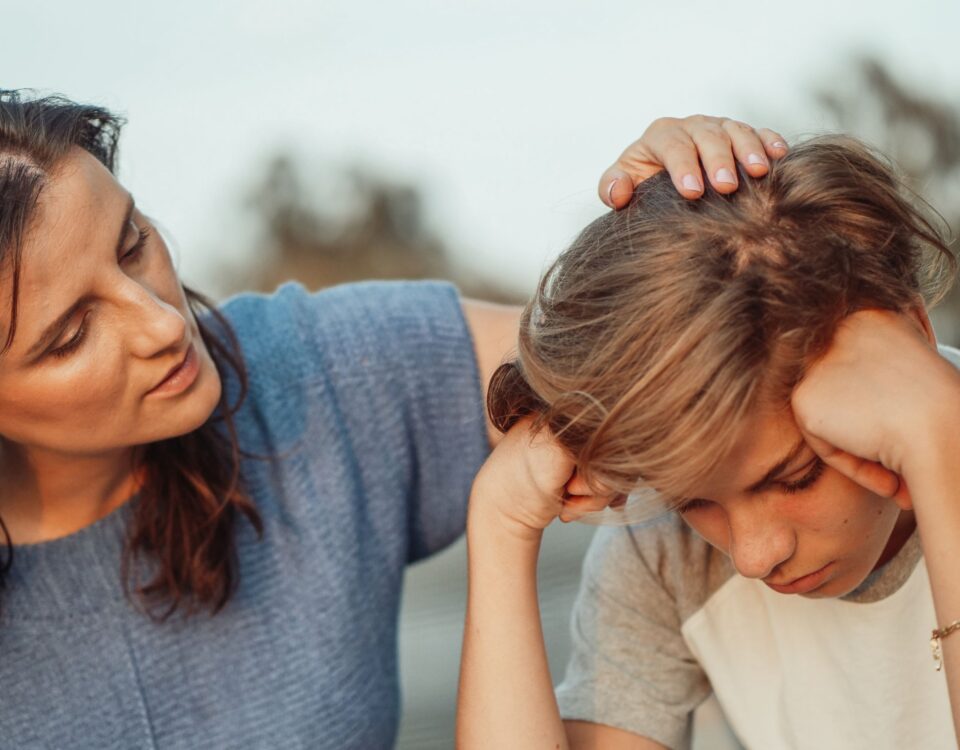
747	147
616	186
716	152
773	143
681	145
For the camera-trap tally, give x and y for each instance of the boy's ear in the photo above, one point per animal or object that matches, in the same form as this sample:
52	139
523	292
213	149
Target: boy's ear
917	313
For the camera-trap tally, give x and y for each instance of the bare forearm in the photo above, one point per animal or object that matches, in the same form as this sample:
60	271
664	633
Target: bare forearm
936	495
506	695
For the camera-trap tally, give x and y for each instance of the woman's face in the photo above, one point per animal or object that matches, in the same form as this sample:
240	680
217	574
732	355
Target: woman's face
102	321
785	517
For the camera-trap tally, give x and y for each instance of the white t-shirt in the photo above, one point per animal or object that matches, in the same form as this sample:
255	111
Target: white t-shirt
662	618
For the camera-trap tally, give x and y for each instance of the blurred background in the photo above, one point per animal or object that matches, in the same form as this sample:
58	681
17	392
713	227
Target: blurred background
330	141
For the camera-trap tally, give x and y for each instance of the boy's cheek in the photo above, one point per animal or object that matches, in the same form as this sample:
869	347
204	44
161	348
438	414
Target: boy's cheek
712	530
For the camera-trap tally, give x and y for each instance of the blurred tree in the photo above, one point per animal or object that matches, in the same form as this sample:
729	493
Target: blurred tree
920	133
366	228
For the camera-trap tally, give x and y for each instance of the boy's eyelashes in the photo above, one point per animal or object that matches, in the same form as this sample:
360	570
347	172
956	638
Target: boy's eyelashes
806	481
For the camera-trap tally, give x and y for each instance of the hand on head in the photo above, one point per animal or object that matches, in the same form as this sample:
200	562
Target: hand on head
682	146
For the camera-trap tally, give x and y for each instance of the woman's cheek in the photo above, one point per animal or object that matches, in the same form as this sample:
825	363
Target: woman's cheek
95	380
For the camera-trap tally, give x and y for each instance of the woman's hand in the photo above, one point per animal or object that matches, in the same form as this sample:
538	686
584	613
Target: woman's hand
680	145
529	480
873	405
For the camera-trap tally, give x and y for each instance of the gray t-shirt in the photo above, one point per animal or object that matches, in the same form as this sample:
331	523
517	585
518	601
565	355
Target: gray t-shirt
662	619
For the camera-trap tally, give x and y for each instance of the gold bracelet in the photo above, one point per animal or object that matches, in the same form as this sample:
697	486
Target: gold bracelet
935	639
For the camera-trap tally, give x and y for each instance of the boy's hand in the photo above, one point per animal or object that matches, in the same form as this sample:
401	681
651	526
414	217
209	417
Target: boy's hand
681	145
876	402
529	480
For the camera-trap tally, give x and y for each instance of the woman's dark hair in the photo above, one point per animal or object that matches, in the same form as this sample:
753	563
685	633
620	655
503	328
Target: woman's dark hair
192	495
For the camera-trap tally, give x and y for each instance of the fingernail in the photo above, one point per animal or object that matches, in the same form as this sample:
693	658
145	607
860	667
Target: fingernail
779	144
610	193
725	176
690	182
756	159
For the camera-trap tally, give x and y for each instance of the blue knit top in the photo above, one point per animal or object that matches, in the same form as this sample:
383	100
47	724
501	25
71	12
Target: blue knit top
367	397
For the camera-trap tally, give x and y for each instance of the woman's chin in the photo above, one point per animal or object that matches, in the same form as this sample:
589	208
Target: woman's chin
187	411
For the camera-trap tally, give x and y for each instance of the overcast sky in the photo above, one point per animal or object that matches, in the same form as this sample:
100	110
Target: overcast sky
505	112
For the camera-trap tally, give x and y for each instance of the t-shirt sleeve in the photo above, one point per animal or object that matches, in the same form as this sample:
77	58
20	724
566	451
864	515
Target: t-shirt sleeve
390	371
630	667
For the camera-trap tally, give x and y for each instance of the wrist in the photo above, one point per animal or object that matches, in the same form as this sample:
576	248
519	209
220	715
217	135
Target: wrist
486	519
936	449
934	440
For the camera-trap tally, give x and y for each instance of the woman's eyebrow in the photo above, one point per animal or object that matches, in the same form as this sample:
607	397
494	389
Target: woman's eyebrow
51	332
779	467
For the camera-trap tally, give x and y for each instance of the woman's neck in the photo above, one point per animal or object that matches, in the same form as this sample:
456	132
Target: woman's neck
46	495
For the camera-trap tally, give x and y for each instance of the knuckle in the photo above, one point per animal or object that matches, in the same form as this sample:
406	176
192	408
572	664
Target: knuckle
663	123
735	126
668	120
712	133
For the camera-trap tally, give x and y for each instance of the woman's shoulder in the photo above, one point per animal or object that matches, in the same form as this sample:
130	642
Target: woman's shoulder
358	324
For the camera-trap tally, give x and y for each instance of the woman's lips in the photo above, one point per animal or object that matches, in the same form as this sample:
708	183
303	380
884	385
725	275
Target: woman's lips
180	377
804	584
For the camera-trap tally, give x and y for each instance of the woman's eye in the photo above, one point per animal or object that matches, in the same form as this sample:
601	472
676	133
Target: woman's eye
73	343
134	251
807	480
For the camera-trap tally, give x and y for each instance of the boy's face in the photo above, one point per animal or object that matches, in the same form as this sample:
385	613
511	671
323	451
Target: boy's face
806	529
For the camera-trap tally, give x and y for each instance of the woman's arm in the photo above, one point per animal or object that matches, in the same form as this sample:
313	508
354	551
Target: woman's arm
506	697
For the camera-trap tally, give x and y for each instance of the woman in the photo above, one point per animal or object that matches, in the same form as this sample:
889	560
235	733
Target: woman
763	365
208	512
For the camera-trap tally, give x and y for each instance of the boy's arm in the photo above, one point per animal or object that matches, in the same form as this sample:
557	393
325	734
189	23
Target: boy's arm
934	483
882	404
506	699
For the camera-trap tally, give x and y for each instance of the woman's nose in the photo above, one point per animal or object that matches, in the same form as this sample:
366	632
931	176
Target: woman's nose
158	326
759	541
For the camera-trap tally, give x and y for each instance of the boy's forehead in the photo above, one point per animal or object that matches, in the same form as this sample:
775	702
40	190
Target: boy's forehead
763	440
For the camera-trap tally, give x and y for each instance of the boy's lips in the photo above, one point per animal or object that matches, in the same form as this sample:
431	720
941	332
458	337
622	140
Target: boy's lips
804	584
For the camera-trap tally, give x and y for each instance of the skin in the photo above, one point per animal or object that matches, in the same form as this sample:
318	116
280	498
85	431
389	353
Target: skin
71	424
782	534
70	427
879	410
